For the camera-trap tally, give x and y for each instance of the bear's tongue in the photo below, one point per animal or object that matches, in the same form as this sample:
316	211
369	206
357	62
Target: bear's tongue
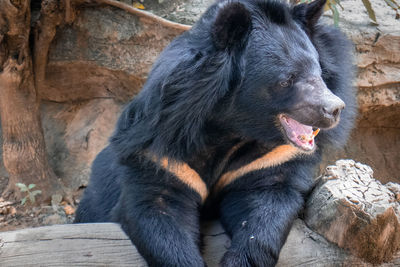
300	134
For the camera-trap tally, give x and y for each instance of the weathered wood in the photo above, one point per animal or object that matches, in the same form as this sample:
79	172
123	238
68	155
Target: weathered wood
352	209
106	245
68	245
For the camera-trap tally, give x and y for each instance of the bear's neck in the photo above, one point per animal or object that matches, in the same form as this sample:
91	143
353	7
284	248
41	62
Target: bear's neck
224	155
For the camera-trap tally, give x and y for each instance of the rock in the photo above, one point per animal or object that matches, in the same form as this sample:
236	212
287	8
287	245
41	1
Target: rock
353	210
106	52
96	65
54	219
376	140
186	12
75	134
55	201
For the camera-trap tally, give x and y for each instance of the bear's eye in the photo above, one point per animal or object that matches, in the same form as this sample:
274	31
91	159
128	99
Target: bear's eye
284	84
288	82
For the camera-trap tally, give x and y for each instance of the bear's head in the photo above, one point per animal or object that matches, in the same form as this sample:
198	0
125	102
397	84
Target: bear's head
281	94
249	69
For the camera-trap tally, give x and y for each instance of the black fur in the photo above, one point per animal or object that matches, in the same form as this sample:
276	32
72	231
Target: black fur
231	26
273	11
214	87
308	14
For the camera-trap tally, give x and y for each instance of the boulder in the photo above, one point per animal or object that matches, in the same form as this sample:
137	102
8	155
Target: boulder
376	139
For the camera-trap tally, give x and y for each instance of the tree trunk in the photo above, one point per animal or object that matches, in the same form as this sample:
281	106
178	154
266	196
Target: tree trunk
24	152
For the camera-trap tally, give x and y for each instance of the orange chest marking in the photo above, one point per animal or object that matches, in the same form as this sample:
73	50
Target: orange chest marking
191	178
277	156
187	175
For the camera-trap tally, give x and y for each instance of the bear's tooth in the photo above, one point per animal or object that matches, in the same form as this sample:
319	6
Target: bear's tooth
316	132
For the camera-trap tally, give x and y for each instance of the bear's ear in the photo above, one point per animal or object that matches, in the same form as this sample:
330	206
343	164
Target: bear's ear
231	26
309	14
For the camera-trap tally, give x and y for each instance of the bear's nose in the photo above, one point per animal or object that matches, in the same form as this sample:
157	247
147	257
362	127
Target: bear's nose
333	109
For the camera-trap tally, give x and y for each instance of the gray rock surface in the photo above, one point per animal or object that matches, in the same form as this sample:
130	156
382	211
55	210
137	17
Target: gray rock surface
376	140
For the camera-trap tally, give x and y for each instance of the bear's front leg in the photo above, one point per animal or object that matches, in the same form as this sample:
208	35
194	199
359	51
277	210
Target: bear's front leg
160	215
257	211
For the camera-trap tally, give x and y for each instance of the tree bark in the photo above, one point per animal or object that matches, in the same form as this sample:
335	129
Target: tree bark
24	151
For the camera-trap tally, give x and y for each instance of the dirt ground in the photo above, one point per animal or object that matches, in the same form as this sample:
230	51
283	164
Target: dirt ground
15	216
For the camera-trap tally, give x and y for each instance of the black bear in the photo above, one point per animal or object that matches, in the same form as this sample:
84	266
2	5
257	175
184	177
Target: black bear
227	121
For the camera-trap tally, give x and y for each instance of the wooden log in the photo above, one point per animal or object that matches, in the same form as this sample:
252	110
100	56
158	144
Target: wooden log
353	210
105	244
69	245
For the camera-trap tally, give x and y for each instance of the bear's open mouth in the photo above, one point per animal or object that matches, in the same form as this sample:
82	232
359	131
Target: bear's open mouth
299	134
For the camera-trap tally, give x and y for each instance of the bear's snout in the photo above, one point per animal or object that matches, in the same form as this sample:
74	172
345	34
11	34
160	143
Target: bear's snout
332	109
316	105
